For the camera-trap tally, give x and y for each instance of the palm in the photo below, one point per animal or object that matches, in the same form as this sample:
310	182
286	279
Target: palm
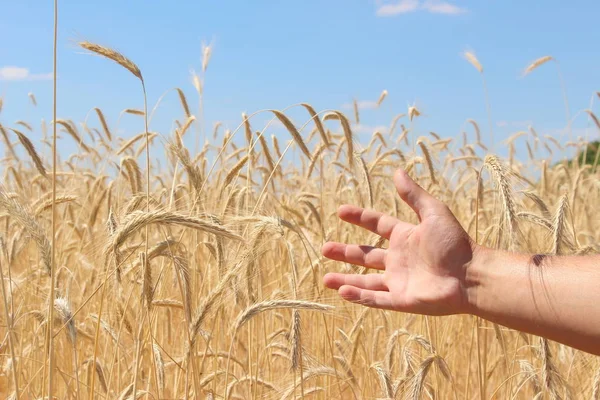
423	266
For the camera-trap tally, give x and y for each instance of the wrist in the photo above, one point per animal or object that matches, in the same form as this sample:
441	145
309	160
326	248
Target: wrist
475	275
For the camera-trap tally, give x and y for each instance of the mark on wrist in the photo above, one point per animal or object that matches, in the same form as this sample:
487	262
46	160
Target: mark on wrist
538	259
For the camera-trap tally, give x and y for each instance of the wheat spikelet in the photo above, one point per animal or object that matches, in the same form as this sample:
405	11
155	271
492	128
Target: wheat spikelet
508	218
382	97
356	112
130	143
252	379
419	378
65	315
293	131
30	225
389	349
427	155
539	202
344	362
551	378
134	173
276	146
296	341
394	123
7	142
347	135
468	159
515	136
160	367
32	99
318	122
73	133
555	142
134	111
442	144
136	203
235	170
186	125
413	112
115	56
385	382
197	82
168	303
47	203
346	367
236	154
247	129
596	385
32	152
560	238
530	151
100	373
267	305
139	219
593	117
164	248
530	375
194	173
435	135
122	315
266	151
209	301
206	54
365	172
147	280
472	59
104	124
308	374
537	63
126	393
25	125
184	103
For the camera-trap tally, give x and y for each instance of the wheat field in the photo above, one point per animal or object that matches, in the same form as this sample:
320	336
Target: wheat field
202	278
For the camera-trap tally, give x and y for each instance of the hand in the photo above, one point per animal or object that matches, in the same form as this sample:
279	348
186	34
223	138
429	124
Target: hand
424	266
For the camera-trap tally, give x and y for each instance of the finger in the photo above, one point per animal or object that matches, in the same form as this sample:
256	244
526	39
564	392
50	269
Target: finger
370	298
414	195
367	256
369	281
376	222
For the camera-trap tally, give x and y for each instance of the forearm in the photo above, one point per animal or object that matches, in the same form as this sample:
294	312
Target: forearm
550	296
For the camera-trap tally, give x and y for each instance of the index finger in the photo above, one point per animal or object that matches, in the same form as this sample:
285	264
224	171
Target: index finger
372	220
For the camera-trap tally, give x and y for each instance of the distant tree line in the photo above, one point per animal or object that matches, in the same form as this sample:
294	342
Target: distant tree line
589	156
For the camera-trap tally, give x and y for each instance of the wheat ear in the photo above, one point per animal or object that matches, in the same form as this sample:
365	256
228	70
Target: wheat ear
39	165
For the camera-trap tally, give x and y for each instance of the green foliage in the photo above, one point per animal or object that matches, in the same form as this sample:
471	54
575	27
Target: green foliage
590	156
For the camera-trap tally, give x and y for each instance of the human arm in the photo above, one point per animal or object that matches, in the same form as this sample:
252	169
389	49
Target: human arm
435	268
556	297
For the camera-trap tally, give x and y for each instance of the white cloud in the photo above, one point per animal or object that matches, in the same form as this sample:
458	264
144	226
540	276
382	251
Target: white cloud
362	105
401	7
442	7
408	6
368	129
514	124
11	73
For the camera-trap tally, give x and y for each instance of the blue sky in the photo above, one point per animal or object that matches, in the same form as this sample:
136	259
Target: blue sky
273	54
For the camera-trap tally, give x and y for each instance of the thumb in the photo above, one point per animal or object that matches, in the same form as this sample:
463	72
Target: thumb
414	195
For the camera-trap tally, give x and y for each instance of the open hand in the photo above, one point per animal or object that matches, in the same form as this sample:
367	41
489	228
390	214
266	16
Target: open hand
424	266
